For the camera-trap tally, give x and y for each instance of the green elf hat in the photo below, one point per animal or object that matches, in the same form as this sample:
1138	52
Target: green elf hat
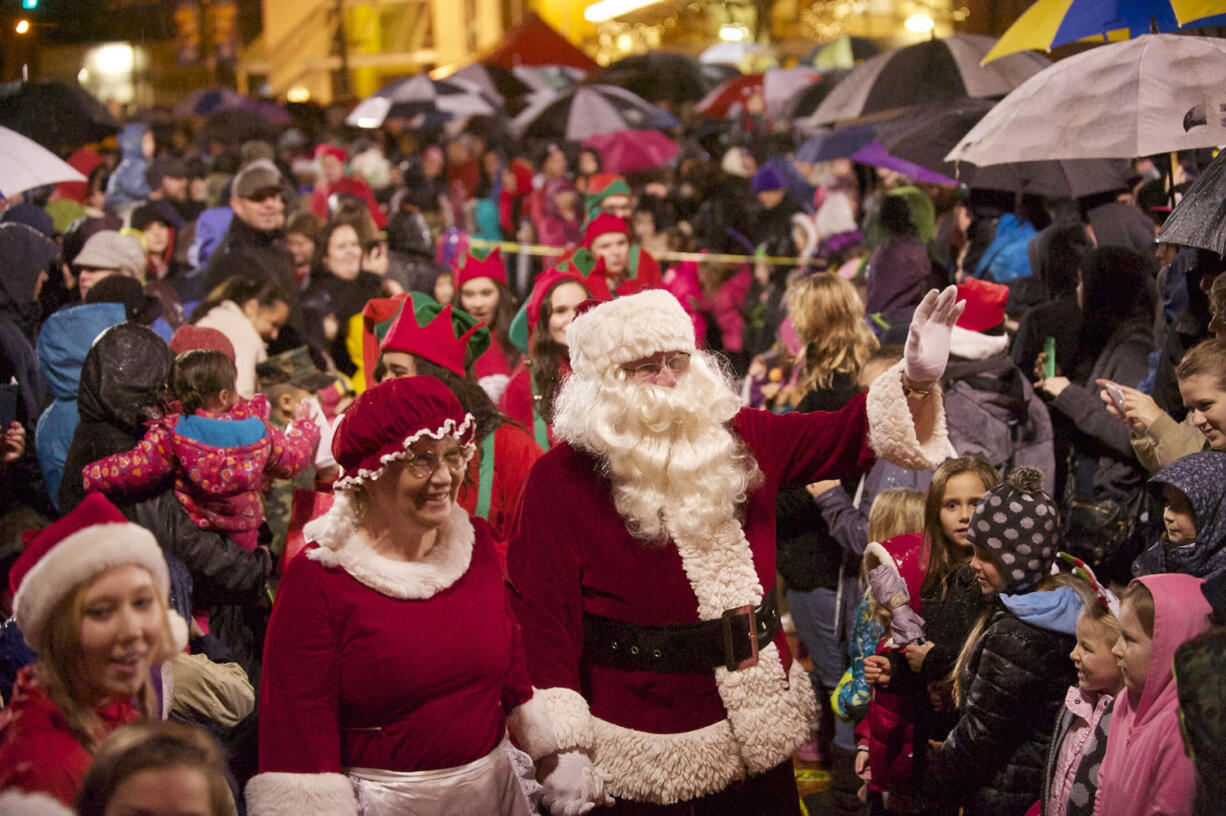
600	187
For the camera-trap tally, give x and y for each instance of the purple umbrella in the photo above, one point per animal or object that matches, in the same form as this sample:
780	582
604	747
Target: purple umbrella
875	155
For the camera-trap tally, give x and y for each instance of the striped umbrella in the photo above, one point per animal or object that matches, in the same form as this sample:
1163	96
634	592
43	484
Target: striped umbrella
586	110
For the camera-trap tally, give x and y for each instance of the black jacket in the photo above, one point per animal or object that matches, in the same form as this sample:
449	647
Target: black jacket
993	760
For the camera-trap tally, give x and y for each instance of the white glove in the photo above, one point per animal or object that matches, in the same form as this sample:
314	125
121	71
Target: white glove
927	349
575	785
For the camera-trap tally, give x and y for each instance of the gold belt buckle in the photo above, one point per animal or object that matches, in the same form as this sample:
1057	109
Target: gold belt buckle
730	661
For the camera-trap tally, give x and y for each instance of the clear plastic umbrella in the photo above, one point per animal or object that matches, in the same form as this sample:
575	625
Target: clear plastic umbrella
25	164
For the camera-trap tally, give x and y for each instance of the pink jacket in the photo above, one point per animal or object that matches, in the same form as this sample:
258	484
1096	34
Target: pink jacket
1145	771
1087	709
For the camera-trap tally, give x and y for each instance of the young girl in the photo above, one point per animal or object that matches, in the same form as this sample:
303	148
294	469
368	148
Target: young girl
217	448
481	286
1193	541
250	313
1070	785
1012	674
1145	770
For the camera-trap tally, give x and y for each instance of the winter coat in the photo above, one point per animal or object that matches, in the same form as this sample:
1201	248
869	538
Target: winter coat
1200	477
63	342
38	750
260	255
1099	437
128	184
1167	441
899	273
249	347
211	227
26	253
1145	771
852	696
345	298
1077	747
1016	680
1007	257
120	379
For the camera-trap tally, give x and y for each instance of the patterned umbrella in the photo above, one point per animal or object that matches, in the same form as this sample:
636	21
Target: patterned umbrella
628	151
775	87
421	96
586	110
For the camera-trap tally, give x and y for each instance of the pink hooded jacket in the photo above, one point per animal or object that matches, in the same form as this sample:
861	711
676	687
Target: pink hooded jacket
1145	771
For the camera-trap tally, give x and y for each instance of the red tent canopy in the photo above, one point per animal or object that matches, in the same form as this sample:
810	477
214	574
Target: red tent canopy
535	42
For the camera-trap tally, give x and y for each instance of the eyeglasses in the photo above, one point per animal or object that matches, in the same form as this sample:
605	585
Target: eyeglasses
679	363
424	465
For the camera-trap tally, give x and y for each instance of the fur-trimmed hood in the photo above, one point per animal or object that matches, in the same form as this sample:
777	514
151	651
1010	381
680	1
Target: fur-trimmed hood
342	544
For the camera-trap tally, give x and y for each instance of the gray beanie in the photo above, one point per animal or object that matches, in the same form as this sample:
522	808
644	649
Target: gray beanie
1016	523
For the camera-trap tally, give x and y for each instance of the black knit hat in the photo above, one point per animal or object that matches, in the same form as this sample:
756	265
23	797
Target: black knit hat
1016	523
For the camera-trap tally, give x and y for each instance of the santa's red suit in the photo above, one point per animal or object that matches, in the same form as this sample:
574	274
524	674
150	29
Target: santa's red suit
672	736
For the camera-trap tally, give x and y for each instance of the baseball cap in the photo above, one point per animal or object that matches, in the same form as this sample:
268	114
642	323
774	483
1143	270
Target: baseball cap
260	174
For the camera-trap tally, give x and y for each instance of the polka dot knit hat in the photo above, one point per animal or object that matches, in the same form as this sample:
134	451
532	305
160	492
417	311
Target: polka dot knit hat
1016	523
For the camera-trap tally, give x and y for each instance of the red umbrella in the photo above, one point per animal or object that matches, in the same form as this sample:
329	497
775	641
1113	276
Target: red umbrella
627	151
736	91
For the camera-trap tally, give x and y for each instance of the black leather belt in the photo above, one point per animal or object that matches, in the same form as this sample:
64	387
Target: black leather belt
732	641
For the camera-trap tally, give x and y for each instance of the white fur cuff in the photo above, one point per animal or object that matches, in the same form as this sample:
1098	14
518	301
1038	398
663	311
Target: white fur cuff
569	716
298	794
528	724
891	430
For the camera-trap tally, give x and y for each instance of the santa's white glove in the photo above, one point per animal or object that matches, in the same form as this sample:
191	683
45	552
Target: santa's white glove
927	349
574	785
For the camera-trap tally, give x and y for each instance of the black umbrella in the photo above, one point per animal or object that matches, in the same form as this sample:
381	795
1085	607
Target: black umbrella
1199	219
237	126
58	115
804	103
657	76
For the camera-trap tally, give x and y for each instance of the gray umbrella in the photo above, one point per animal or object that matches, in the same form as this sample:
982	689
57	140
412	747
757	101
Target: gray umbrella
1199	219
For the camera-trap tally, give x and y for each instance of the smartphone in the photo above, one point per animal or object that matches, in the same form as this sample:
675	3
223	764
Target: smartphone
1116	395
1049	348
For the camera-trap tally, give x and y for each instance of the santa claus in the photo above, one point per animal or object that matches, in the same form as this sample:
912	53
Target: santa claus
643	564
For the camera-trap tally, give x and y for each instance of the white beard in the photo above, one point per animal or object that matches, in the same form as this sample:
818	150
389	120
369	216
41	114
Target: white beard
676	468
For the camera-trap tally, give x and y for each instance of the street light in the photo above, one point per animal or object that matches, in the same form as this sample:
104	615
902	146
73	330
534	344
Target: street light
22	27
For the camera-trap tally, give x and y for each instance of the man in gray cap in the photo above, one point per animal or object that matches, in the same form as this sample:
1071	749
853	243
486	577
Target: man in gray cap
254	245
107	253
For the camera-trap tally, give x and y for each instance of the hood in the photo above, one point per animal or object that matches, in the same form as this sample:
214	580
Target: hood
130	140
122	378
906	551
898	275
1179	616
65	339
1055	611
26	253
1200	477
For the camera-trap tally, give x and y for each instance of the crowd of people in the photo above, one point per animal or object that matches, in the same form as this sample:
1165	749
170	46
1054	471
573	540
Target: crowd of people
428	471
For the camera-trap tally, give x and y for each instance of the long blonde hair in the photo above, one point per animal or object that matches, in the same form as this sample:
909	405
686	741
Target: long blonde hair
828	316
894	512
61	673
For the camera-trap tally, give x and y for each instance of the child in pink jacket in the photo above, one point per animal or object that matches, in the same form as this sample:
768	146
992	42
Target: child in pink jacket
1145	771
218	450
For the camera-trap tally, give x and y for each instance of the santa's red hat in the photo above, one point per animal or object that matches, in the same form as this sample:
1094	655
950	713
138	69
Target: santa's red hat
325	149
436	341
470	267
602	225
629	328
985	304
94	537
386	419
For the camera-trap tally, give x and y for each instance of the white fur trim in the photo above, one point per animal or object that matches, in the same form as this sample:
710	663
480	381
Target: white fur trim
891	430
973	345
76	559
448	429
626	329
23	803
300	794
875	550
178	633
568	715
342	545
528	723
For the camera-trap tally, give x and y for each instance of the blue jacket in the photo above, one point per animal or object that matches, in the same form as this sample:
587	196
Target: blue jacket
64	341
1007	257
128	184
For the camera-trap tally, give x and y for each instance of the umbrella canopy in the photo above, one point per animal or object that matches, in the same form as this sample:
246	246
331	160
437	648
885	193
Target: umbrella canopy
775	87
535	42
839	143
237	126
1153	94
931	71
25	164
810	96
549	77
1199	219
628	151
419	95
497	83
204	101
57	115
746	55
841	53
586	110
1049	23
874	154
657	76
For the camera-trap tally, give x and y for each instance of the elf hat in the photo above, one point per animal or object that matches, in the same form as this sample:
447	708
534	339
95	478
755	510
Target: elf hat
437	333
94	537
626	329
602	225
600	187
386	419
470	267
1016	523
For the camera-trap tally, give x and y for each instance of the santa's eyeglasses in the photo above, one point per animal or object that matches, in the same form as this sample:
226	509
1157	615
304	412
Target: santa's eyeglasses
678	363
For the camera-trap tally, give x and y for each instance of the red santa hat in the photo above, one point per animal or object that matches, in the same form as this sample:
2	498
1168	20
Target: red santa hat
386	419
602	225
626	329
470	267
326	149
985	304
92	538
